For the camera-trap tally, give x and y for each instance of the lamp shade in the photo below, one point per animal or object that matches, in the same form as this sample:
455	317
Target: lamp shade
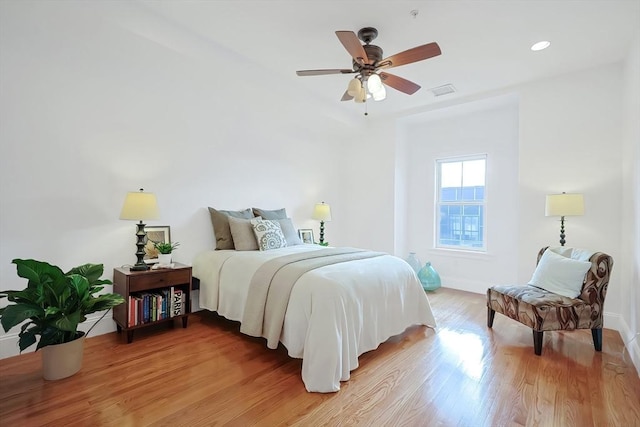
139	206
354	87
374	83
322	212
360	96
564	204
380	94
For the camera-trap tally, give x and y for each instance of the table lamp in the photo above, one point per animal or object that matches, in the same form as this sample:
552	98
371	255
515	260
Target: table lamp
322	212
140	206
564	205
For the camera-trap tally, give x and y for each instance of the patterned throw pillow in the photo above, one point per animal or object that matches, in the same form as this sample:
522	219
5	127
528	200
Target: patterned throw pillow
268	234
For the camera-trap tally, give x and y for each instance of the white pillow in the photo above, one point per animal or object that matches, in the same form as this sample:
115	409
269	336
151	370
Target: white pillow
560	275
268	234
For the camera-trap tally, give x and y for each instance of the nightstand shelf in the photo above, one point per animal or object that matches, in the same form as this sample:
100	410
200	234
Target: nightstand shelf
137	284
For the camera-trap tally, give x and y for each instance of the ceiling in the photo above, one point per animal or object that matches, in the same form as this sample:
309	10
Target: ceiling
485	44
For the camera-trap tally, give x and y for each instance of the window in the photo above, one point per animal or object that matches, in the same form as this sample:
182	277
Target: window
460	204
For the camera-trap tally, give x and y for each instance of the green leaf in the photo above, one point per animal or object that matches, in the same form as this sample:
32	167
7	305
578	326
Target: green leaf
27	339
69	322
91	271
37	271
13	315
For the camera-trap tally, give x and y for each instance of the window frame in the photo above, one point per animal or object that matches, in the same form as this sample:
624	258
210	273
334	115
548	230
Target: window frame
461	203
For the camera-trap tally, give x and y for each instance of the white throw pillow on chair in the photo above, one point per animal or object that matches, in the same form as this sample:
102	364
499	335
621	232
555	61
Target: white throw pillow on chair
560	275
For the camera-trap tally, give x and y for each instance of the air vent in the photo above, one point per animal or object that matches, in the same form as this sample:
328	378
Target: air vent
442	90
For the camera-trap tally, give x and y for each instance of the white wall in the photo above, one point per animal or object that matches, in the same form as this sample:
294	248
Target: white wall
629	266
571	140
484	127
91	109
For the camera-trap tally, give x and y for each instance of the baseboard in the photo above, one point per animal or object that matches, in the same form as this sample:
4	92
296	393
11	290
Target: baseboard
468	286
632	342
9	342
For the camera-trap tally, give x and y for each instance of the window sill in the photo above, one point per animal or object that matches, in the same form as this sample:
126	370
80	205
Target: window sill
462	253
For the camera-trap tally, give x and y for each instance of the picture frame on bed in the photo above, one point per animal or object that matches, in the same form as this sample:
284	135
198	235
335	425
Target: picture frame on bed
306	235
155	234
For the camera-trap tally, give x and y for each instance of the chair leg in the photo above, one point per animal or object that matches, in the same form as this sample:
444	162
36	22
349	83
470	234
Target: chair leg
597	338
490	315
537	342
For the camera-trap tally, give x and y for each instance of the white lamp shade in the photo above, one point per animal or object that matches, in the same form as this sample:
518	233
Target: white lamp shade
322	212
374	83
380	94
564	204
140	206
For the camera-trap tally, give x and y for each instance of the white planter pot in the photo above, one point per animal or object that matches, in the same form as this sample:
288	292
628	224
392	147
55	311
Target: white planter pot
62	360
164	259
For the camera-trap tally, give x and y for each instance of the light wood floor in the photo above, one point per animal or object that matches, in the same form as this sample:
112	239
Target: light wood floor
210	374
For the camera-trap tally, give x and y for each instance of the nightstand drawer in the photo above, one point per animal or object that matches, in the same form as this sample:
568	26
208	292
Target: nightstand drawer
154	280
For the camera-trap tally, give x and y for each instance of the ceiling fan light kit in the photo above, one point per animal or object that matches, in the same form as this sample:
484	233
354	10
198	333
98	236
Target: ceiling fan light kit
368	63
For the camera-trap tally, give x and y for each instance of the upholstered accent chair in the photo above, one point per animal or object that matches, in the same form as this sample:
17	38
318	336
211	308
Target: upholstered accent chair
542	310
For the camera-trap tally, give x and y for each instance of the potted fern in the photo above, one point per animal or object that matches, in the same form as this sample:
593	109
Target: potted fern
54	304
165	250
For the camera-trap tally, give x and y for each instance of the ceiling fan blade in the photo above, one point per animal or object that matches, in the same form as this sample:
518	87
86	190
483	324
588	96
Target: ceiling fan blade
416	54
346	96
350	42
398	83
322	72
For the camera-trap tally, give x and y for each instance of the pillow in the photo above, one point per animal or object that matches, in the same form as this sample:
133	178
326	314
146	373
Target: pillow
242	233
221	230
289	231
560	275
268	234
275	214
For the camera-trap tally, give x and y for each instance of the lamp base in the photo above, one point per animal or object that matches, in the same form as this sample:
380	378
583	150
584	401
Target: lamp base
322	233
562	235
140	234
138	267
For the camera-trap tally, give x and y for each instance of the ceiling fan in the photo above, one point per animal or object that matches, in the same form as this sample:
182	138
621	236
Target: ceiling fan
368	65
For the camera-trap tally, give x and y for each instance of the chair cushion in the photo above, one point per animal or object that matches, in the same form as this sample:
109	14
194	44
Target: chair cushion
542	310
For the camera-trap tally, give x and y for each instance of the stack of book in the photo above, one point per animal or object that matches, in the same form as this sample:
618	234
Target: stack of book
147	307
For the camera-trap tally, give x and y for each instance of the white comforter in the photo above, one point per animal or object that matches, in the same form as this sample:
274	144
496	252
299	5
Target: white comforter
335	313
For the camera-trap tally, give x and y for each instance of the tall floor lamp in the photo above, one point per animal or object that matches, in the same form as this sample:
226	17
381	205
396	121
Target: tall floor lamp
564	205
140	206
322	212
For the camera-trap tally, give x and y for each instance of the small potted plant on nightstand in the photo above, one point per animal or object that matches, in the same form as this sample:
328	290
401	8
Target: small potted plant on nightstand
55	303
165	249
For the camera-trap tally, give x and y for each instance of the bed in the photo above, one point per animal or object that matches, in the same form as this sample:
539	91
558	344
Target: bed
335	311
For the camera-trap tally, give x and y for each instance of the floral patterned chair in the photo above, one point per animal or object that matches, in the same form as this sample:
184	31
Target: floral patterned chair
542	310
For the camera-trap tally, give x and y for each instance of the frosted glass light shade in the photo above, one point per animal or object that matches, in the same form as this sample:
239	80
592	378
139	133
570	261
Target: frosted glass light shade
322	212
380	94
564	204
361	96
140	206
374	83
354	87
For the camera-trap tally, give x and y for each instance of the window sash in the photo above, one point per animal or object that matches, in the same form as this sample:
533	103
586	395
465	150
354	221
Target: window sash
464	226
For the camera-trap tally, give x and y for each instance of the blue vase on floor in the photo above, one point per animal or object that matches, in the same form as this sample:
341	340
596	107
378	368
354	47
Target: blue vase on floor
414	262
429	278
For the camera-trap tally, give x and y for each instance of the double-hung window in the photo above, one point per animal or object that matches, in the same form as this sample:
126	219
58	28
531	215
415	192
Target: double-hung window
460	204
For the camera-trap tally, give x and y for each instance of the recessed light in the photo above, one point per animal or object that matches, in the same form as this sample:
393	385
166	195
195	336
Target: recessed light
540	45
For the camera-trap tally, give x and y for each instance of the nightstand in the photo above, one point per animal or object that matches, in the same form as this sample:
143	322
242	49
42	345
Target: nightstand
151	297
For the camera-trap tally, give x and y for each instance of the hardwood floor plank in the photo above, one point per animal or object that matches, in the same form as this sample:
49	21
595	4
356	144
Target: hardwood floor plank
462	374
